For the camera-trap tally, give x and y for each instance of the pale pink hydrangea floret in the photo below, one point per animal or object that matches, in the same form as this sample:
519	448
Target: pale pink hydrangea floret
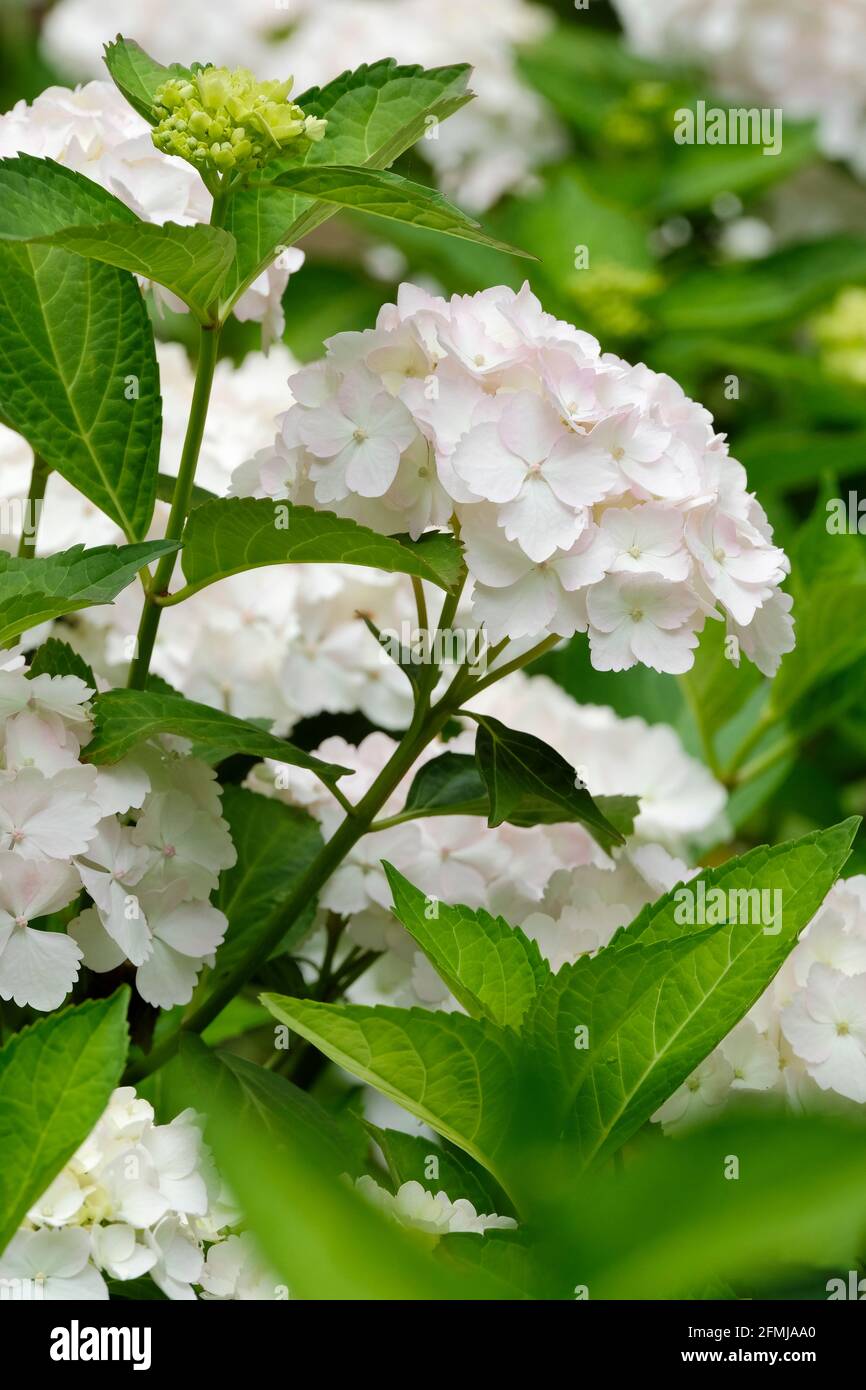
590	495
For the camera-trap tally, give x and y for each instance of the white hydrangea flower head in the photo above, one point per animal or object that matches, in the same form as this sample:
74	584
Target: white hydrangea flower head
137	1199
807	59
144	839
94	130
591	495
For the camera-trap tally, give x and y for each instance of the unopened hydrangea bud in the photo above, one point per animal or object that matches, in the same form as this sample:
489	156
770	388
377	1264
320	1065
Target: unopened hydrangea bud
225	120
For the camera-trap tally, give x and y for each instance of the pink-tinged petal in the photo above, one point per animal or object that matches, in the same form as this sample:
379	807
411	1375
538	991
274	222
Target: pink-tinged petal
580	473
611	651
608	605
325	430
390	417
486	466
843	1071
586	562
167	978
529	427
491	558
193	929
38	968
522	610
373	466
671	652
101	952
537	521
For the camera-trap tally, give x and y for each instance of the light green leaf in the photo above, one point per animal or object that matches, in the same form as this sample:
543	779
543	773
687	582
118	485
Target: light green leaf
275	843
491	968
373	115
264	1100
531	784
137	75
32	591
78	376
39	196
232	534
459	1075
324	1240
56	1078
669	1020
192	262
125	718
668	1223
390	196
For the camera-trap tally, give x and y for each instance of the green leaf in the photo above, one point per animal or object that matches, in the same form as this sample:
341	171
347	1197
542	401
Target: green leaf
39	196
32	591
44	203
531	784
373	115
232	534
503	1257
79	378
275	843
668	1222
322	1238
56	1078
260	1098
459	1075
408	1157
449	785
137	75
491	968
192	262
56	658
125	718
390	196
672	1016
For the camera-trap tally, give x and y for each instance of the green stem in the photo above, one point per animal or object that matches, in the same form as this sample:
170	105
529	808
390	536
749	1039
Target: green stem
35	497
346	836
151	613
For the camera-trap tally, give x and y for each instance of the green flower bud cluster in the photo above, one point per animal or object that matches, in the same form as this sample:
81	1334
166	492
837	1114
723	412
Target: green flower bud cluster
226	120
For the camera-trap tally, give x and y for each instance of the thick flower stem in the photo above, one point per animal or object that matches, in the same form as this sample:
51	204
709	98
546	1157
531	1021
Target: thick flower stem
151	613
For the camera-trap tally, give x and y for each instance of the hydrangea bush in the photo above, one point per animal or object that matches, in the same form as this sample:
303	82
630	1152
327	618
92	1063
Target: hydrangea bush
251	823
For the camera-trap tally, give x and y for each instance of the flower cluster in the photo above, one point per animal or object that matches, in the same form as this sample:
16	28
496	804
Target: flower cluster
137	1199
478	154
808	59
226	120
143	839
590	495
93	130
412	1205
806	1037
